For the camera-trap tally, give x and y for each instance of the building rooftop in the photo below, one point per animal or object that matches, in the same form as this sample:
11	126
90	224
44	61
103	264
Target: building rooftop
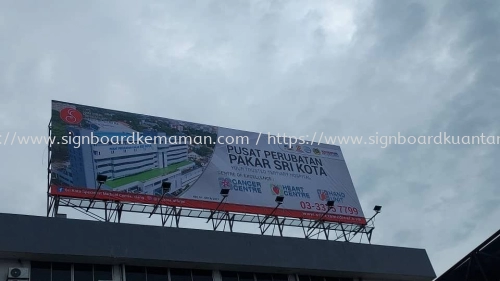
69	240
482	263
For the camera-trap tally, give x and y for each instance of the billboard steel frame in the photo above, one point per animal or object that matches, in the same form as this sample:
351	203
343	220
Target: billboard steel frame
114	209
113	212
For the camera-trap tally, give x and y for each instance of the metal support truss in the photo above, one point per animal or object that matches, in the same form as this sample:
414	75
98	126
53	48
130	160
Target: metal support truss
264	225
166	212
225	219
315	230
77	205
171	213
317	227
157	204
275	222
112	211
93	197
335	231
342	231
53	205
217	217
49	170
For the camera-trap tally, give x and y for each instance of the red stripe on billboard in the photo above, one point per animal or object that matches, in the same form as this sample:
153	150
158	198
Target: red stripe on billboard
85	193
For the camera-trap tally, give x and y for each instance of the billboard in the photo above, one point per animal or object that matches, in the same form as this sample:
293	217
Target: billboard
138	152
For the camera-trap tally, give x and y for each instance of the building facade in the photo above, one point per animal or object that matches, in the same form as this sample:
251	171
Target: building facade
59	249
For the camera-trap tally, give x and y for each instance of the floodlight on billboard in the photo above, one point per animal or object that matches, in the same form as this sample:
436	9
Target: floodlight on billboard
137	155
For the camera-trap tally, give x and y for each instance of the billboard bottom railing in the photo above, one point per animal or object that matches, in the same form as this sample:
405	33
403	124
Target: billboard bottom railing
114	204
85	193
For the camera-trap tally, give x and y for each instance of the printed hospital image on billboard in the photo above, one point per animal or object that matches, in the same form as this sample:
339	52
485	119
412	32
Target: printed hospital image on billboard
138	153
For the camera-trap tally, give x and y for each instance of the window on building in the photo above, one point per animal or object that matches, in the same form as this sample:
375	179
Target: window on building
248	276
61	272
135	273
229	276
317	278
304	278
245	276
83	272
263	277
157	274
103	272
320	278
180	275
280	277
201	275
40	271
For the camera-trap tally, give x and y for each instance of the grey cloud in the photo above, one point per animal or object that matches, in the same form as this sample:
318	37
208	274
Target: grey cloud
397	24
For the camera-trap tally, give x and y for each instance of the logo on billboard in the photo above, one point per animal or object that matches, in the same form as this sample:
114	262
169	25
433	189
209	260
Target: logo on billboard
225	183
307	149
323	195
276	189
60	189
299	148
241	185
316	151
330	153
71	116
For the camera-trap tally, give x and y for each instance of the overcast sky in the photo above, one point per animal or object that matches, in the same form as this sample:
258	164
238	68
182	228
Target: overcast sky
350	68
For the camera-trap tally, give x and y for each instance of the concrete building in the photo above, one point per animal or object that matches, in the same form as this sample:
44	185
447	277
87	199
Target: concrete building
59	249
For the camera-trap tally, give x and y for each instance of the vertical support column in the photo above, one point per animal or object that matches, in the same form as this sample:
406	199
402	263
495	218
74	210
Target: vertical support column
56	206
216	276
118	272
343	232
49	170
177	216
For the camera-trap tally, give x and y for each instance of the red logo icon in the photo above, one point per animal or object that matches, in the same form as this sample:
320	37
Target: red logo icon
275	189
323	195
71	116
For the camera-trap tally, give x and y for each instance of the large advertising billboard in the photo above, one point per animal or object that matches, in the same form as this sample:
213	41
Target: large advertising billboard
138	152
